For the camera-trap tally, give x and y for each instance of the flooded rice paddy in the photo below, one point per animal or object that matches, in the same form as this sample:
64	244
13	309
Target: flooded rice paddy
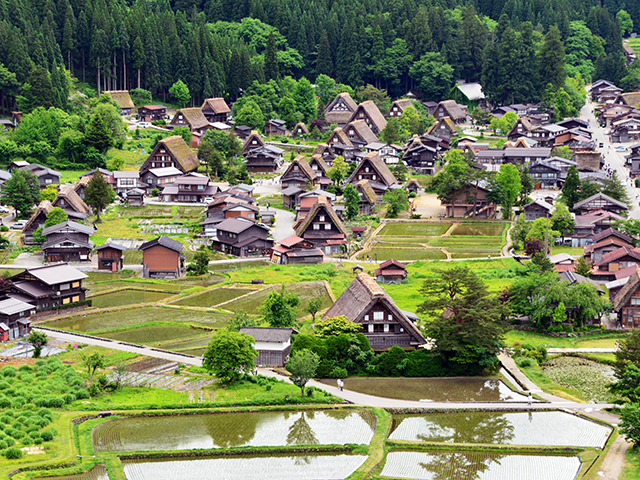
513	428
99	472
456	389
479	466
328	427
214	297
127	297
278	467
480	229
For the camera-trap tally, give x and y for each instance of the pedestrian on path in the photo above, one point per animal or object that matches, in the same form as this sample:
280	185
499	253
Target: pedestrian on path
529	399
340	384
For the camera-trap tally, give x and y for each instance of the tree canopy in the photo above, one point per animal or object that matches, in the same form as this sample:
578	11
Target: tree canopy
230	355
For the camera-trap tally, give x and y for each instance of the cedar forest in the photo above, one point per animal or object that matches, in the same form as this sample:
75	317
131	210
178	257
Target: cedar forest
56	53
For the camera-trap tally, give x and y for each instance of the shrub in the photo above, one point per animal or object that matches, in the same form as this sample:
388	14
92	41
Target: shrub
15	433
9	371
4	228
18	402
3	445
81	393
525	362
37	441
4	385
25	368
13	453
339	372
5	402
48	434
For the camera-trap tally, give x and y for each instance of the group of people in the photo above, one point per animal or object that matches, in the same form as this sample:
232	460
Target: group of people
340	384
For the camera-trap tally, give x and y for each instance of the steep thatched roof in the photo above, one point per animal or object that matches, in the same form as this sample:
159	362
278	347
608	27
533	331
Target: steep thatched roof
181	152
317	158
340	117
215	105
436	127
360	296
194	117
303	165
401	104
361	128
255	135
373	158
44	207
71	199
321	204
121	97
367	191
373	112
301	128
631	98
341	136
454	110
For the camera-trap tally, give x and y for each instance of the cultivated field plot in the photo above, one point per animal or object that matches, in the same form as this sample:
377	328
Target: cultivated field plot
214	297
127	297
454	389
402	240
272	467
514	428
139	316
150	211
404	253
190	211
414	228
589	377
479	466
329	427
152	334
193	345
480	229
96	473
105	286
105	276
307	291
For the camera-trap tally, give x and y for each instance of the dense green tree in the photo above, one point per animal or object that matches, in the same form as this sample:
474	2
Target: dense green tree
97	134
582	267
229	355
562	220
397	202
271	69
303	366
37	340
200	264
37	91
338	171
391	133
552	59
180	92
432	75
21	191
98	193
627	353
453	179
508	180
352	201
630	422
614	188
571	187
304	97
279	308
324	62
55	216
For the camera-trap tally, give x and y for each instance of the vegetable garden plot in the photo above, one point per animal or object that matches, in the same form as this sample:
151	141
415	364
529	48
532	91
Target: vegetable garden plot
480	229
414	228
589	377
479	466
96	473
276	467
513	428
235	430
127	297
405	254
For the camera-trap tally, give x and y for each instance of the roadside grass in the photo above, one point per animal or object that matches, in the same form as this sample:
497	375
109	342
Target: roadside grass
70	176
536	339
275	201
534	374
632	468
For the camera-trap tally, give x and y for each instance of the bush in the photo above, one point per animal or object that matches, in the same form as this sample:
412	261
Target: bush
525	362
339	372
47	435
4	385
3	445
13	453
5	402
4	228
9	371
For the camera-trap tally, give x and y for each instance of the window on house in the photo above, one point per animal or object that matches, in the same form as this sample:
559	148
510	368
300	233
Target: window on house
75	285
66	300
635	300
327	226
378	315
366	318
390	317
48	180
321	218
386	328
316	226
371	325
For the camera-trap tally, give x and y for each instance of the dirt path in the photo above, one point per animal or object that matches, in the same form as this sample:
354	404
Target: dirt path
505	250
615	460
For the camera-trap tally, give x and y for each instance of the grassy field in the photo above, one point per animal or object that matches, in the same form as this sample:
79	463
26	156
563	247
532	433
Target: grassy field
480	229
632	468
70	176
539	339
276	201
414	228
406	254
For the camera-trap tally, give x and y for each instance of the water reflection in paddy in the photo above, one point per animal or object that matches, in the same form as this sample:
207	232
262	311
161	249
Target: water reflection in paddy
235	429
479	466
513	428
454	389
293	467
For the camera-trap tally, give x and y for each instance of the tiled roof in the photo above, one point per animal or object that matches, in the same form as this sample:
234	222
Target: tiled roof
166	242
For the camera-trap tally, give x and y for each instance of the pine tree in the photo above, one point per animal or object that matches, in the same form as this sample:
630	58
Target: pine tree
271	71
552	59
571	187
97	134
324	64
40	92
352	200
98	193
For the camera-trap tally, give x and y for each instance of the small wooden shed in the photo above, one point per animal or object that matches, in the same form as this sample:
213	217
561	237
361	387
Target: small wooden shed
111	257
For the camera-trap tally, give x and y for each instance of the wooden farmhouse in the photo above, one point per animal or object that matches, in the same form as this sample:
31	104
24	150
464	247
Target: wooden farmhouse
242	237
340	144
593	253
68	200
631	99
45	175
224	208
125	180
300	130
276	127
320	167
299	174
449	108
627	302
370	113
151	113
598	86
372	168
618	259
290	197
14	318
546	175
589	225
520	129
389	153
159	177
36	221
383	323
194	120
111	257
471	202
588	161
264	159
421	154
599	201
162	258
340	111
325	152
322	228
294	250
413	186
170	152
215	110
368	197
360	134
444	128
537	209
67	242
391	272
272	344
190	188
123	99
254	140
397	107
48	287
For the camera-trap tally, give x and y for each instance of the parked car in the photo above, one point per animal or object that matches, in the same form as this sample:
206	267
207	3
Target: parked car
19	225
621	149
207	200
4	209
144	125
601	145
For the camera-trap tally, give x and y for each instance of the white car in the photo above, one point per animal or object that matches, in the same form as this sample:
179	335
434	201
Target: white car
19	225
144	125
4	209
208	200
621	149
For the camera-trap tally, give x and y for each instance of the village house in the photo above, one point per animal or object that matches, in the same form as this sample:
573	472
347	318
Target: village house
390	154
170	152
276	127
632	99
368	197
546	175
320	167
306	200
151	113
627	302
300	130
358	231
372	168
383	323
215	110
294	250
618	259
14	318
135	197
613	112
325	152
398	107
194	120
48	287
67	242
605	242
598	86
413	186
123	99
85	178
520	129
159	177
537	209
224	208
340	144
599	201
421	153
625	130
588	161
492	158
272	344
111	256
242	131
264	159
299	174
36	221
470	94
162	258
608	95
254	140
340	110
360	134
68	200
290	197
589	225
391	272
449	108
322	227
242	237
126	180
45	175
190	188
563	164
443	128
370	113
471	202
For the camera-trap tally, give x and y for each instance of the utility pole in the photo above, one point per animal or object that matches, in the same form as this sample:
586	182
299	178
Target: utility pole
546	237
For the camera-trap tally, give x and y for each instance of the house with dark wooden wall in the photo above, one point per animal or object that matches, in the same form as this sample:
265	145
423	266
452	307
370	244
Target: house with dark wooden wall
444	128
36	221
275	126
264	159
612	262
398	107
340	144
294	250
170	152
189	188
298	174
627	303
300	130
123	99
421	153
545	174
372	168
360	134
449	108
151	113
68	200
340	110
368	197
322	227
194	120
67	242
14	318
45	175
242	237
469	200
215	110
370	113
162	258
272	344
391	272
111	256
383	323
599	201
537	209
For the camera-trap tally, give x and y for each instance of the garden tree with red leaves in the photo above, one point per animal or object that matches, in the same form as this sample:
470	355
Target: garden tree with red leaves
533	246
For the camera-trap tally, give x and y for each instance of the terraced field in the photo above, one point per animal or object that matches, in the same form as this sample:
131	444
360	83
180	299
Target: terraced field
127	297
99	472
214	297
414	228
